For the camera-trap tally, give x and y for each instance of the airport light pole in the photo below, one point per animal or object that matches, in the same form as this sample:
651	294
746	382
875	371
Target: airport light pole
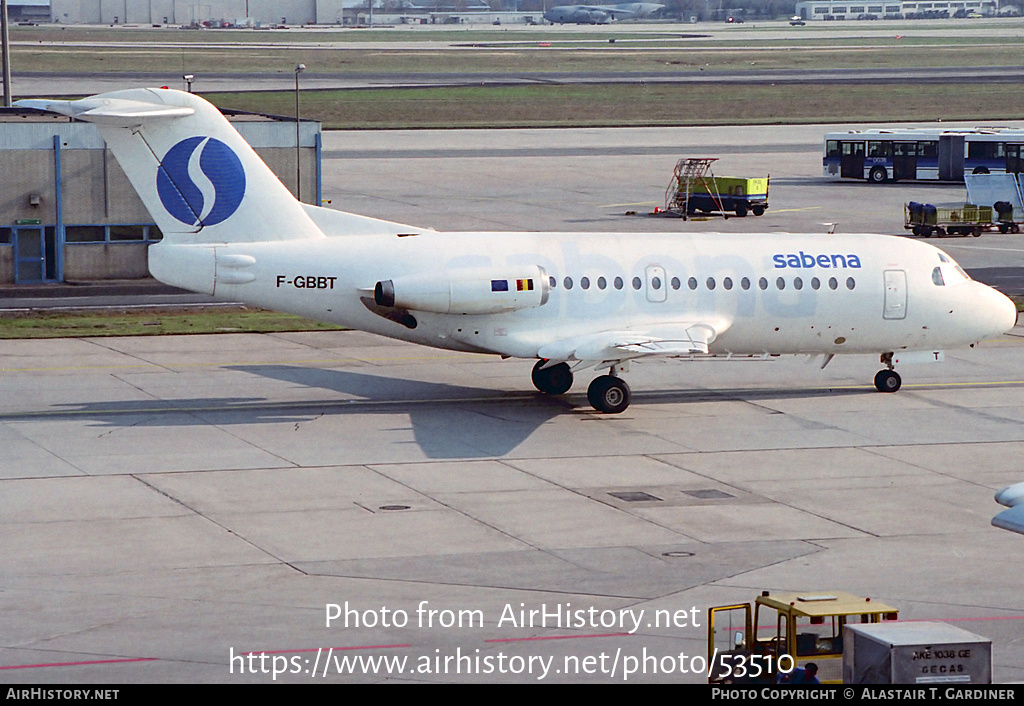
6	52
298	161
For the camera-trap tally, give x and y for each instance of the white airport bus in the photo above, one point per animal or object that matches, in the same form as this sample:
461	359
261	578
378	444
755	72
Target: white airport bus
882	155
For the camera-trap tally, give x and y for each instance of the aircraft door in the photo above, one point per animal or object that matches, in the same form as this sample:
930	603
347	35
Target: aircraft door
895	295
657	287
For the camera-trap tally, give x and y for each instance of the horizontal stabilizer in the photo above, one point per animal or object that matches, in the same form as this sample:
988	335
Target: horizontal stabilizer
110	111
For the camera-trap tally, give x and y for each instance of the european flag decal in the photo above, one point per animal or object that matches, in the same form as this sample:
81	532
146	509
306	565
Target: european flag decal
499	285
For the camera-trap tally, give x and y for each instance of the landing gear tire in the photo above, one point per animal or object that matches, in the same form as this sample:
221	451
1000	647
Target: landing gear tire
608	394
878	175
555	380
887	381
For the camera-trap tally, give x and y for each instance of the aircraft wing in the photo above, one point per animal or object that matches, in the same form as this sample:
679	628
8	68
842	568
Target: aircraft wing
1012	519
613	9
662	339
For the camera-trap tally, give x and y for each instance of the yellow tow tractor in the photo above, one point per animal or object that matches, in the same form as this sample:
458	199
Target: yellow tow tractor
783	631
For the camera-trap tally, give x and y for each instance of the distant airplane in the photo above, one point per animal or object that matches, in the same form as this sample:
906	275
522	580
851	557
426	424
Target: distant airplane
600	14
1012	519
570	301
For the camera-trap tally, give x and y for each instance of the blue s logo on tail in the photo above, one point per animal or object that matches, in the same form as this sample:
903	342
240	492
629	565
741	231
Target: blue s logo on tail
201	181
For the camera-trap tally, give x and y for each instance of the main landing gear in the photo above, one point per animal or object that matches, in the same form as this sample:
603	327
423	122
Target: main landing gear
887	380
607	393
555	380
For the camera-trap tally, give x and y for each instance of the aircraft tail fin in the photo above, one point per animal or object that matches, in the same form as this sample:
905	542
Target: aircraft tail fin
201	182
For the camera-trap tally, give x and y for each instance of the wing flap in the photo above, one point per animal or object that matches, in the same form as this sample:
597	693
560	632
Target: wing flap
656	340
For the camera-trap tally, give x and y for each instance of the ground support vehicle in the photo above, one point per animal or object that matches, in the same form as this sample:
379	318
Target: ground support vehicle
695	189
926	220
782	631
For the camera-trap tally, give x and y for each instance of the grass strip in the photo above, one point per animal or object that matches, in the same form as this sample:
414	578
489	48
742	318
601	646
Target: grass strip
129	322
636	105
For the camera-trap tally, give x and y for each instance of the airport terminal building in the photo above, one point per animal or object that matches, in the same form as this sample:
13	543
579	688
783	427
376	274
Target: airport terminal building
841	10
69	213
181	12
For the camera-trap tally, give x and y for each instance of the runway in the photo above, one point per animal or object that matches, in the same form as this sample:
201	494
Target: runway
29	83
168	503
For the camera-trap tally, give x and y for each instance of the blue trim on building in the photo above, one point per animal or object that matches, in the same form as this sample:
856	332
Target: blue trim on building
59	234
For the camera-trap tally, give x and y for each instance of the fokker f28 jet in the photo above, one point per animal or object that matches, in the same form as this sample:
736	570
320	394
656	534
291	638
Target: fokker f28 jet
569	300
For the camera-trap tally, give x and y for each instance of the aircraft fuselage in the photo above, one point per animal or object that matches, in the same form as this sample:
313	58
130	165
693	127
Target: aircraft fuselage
779	294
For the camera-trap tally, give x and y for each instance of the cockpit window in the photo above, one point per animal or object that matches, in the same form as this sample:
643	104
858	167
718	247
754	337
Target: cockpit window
943	258
961	271
937	277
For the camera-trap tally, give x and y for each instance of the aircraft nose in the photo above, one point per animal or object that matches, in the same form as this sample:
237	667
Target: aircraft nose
997	313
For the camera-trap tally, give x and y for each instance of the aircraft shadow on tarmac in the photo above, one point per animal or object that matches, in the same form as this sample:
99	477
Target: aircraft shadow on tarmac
448	421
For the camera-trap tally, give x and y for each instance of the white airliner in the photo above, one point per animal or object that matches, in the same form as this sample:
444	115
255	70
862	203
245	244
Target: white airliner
569	300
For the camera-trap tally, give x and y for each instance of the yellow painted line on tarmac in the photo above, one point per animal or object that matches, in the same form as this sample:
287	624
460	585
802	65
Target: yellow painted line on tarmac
639	203
262	406
496	396
223	365
927	385
794	210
